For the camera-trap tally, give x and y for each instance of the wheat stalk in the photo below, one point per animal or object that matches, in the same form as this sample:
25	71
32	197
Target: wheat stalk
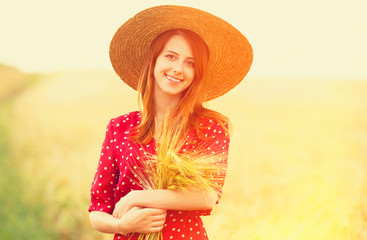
173	169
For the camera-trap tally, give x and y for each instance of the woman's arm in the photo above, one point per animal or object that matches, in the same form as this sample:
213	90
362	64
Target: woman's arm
167	199
140	220
106	223
175	200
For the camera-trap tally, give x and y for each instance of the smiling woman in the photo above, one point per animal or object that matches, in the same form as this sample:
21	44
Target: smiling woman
163	167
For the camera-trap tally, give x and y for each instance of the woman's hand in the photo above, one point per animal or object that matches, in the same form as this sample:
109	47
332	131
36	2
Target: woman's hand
142	220
123	205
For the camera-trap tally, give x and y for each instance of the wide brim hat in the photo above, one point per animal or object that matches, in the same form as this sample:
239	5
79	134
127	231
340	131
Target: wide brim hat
230	52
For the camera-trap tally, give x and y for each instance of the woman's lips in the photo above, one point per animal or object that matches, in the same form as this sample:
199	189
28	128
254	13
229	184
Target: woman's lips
172	79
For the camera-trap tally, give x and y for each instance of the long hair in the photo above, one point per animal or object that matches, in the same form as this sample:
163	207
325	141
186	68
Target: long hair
186	115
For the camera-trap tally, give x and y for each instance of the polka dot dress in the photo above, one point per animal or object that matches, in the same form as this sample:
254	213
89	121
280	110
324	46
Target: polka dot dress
113	179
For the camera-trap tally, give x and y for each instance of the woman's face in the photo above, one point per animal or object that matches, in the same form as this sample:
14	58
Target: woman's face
175	68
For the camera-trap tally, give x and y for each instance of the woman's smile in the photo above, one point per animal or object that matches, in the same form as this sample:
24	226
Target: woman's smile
173	80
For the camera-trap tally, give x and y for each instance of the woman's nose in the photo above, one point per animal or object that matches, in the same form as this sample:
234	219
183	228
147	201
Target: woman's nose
178	68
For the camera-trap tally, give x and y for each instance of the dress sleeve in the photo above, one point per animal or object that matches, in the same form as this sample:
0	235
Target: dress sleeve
217	144
105	179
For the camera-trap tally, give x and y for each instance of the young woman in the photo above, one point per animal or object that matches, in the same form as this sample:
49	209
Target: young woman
177	58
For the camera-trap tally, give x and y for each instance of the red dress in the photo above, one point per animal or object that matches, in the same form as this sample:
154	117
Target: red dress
113	179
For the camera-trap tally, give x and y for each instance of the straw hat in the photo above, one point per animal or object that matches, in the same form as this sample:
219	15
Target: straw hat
230	52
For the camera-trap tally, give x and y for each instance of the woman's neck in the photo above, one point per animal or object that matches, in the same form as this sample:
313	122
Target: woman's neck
164	106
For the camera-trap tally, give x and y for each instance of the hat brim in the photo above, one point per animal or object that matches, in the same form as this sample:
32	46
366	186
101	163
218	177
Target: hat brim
230	52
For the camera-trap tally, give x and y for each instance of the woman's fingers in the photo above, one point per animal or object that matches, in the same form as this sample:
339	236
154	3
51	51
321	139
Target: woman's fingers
155	211
115	213
158	223
156	229
155	219
122	206
161	217
152	228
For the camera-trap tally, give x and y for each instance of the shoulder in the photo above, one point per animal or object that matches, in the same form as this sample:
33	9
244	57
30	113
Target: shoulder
212	128
128	120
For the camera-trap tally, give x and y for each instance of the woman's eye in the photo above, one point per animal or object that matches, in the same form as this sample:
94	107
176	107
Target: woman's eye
171	57
190	63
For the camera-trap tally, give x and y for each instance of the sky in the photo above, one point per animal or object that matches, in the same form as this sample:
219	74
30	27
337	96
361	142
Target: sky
291	38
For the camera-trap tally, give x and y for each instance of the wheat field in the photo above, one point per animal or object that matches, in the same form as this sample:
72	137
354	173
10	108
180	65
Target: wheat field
297	164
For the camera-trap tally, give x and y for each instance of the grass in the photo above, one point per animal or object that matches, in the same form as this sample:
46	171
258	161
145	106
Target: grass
297	157
21	219
301	173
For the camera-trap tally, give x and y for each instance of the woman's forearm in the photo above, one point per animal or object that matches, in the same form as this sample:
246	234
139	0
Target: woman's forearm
175	200
105	222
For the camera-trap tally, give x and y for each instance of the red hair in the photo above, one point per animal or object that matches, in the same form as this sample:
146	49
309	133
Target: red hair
190	108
